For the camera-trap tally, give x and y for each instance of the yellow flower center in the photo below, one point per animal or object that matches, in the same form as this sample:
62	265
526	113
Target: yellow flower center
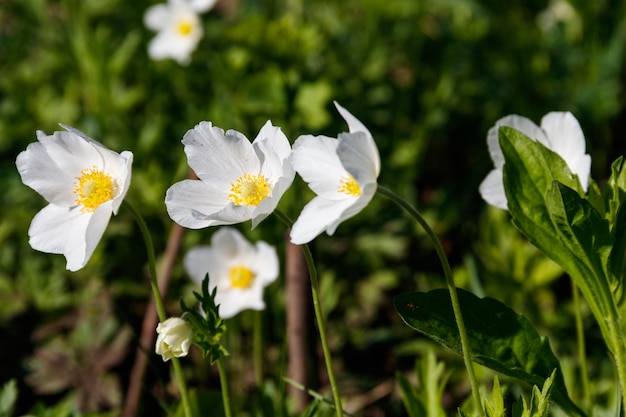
348	185
185	28
93	188
249	190
241	277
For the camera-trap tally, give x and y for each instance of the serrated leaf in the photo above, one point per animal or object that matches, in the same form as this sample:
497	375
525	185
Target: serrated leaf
498	337
494	406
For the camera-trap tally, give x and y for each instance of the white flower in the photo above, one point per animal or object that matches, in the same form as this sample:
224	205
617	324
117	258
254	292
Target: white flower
178	26
559	132
238	180
342	172
174	338
83	181
238	269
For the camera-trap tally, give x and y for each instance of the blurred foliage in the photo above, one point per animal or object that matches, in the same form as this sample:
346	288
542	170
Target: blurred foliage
428	77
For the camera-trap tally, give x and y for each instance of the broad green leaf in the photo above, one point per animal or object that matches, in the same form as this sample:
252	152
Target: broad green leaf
529	171
498	337
615	196
587	236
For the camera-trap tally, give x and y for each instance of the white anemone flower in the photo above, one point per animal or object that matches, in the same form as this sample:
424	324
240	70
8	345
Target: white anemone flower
238	269
559	132
342	172
238	180
83	181
178	26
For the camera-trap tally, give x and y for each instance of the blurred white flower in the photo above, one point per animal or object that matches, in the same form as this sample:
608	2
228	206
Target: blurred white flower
83	181
342	172
178	26
238	180
238	269
559	132
174	338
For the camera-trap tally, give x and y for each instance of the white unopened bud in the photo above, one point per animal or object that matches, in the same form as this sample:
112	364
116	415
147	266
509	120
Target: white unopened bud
174	338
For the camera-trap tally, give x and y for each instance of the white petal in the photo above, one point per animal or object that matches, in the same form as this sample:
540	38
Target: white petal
39	172
582	168
523	124
157	17
96	227
274	137
357	157
202	6
368	147
197	262
218	158
315	159
230	244
69	232
233	301
565	136
165	45
317	216
265	263
71	152
190	203
492	189
123	179
354	124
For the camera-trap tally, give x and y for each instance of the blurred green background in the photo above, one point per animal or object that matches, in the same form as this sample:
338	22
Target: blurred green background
428	78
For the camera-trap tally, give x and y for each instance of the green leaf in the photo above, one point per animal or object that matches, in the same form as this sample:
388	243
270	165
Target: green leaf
412	404
585	233
8	397
498	337
494	406
545	215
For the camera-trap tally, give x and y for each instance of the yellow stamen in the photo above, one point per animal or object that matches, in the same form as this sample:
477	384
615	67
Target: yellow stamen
348	185
93	188
241	277
249	190
185	28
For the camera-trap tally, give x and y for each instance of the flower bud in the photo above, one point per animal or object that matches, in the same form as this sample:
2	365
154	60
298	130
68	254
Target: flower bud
174	338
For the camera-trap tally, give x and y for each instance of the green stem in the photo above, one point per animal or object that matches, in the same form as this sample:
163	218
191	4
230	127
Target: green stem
319	316
456	307
582	355
618	349
159	300
258	347
225	392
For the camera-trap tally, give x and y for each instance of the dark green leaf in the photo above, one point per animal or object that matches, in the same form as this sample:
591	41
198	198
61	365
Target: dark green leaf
499	338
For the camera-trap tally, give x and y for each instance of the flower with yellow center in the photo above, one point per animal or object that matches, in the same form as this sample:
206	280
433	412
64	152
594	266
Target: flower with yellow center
237	180
178	28
239	270
83	181
343	172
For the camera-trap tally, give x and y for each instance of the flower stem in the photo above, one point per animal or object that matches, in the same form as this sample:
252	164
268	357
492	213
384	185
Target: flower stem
225	393
258	347
319	317
582	356
456	307
159	300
